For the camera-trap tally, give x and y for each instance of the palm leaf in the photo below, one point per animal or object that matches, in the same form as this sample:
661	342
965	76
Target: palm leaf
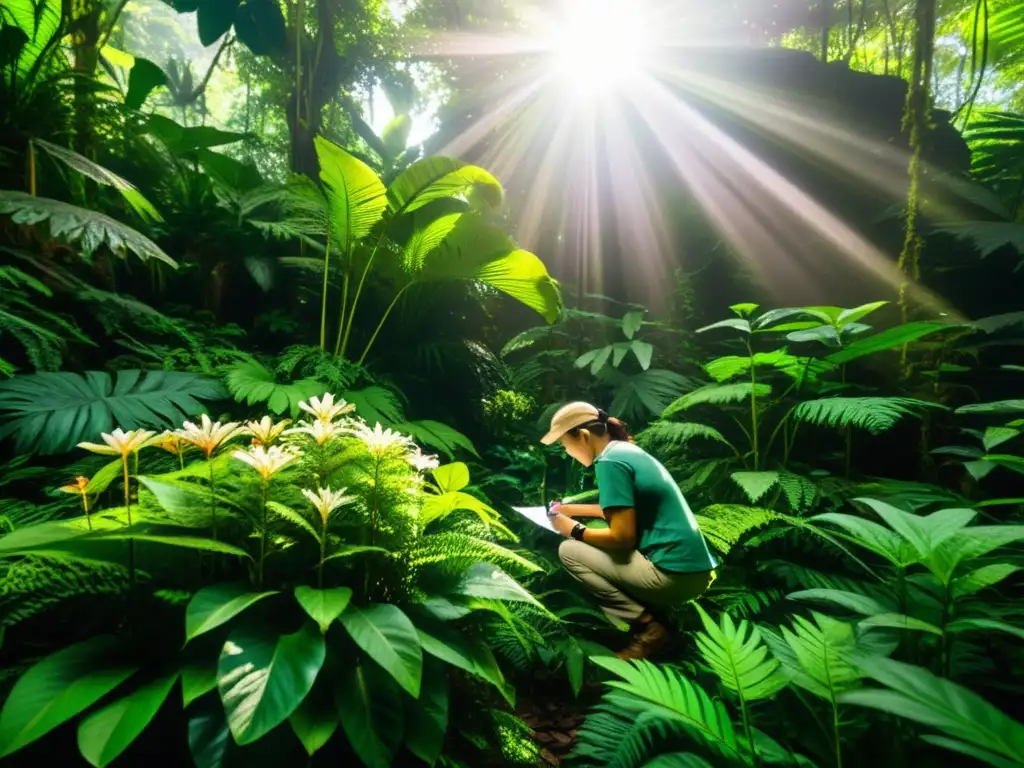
475	251
969	724
52	412
437	178
738	656
89	229
639	396
355	195
874	414
816	655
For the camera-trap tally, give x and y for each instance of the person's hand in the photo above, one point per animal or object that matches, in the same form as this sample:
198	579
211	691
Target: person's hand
553	508
563	524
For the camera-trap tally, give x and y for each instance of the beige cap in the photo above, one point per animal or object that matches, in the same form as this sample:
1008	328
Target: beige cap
569	417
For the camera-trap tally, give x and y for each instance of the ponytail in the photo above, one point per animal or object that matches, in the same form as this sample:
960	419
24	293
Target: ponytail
616	429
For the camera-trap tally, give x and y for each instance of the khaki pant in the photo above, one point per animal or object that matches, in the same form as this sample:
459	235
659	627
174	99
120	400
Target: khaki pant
626	583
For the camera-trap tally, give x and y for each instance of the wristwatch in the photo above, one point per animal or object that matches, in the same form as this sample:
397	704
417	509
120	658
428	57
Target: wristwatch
577	531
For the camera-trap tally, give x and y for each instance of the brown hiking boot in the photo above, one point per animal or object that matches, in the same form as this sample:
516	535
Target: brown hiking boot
649	637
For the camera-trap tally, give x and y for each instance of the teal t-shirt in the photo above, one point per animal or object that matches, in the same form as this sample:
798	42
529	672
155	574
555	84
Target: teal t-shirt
667	531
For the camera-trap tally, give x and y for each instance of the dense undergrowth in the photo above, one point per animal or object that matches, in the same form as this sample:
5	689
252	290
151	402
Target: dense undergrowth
260	433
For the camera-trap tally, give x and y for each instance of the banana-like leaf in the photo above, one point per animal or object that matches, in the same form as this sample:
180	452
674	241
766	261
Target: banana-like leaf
106	733
52	412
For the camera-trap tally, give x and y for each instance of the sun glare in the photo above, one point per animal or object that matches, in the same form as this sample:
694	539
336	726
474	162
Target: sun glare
599	45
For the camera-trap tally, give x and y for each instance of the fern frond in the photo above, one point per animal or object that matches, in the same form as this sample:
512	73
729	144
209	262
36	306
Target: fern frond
744	602
35	584
454	553
725	525
676	701
736	653
434	434
717	394
874	414
800	492
673	434
816	655
755	484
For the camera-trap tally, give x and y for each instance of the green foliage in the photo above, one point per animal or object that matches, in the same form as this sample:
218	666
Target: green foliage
969	725
252	383
52	412
90	230
726	525
874	414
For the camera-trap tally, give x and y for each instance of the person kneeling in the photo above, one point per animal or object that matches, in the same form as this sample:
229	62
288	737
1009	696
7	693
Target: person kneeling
652	555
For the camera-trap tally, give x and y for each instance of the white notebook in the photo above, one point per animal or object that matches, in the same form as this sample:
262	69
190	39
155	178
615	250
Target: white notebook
536	515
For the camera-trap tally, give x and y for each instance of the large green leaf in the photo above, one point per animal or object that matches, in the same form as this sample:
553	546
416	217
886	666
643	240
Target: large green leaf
316	718
60	686
491	583
874	414
90	230
463	651
101	175
436	178
214	18
888	339
738	655
108	732
39	20
370	707
475	251
388	637
145	77
717	394
263	677
71	539
182	140
323	605
924	532
53	412
971	726
355	196
212	606
426	718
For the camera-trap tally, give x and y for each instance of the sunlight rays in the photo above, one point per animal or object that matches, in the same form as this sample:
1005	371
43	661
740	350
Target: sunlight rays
576	128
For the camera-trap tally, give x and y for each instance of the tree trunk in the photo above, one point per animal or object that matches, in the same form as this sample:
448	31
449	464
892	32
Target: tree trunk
826	27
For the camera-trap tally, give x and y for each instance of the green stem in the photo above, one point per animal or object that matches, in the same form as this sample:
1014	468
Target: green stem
380	325
358	293
946	638
31	169
753	408
263	533
181	460
748	731
783	425
85	506
835	735
323	552
128	511
323	298
213	499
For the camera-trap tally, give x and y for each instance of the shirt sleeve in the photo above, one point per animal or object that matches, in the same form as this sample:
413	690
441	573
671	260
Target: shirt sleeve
614	485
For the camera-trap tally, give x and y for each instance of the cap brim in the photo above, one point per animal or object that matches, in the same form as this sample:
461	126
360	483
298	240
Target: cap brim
552	437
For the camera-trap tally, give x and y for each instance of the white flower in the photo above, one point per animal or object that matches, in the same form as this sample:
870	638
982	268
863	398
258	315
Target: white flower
209	435
380	441
326	409
326	501
119	442
265	431
321	431
266	461
423	462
